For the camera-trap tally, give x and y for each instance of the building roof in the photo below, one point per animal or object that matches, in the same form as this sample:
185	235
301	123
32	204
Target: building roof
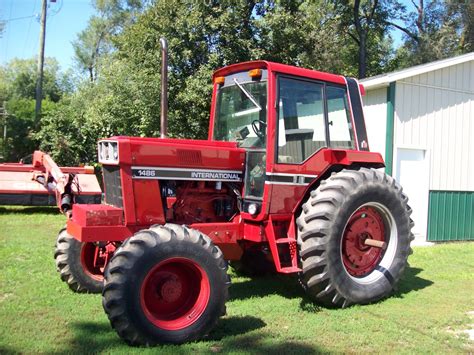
384	80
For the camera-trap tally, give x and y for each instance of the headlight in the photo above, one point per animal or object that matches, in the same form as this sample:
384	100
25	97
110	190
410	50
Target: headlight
108	152
253	209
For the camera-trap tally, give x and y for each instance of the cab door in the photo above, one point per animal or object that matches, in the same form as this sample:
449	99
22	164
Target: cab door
311	116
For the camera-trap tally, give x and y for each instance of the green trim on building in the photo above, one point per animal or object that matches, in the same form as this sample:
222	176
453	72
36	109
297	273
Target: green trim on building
451	216
389	129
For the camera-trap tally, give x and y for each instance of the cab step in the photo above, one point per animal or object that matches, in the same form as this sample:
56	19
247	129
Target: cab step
282	243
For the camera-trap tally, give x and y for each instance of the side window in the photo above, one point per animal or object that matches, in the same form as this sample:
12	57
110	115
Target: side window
341	132
301	128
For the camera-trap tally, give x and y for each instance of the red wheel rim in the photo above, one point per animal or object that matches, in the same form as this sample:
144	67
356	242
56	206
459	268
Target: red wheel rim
360	259
92	261
175	293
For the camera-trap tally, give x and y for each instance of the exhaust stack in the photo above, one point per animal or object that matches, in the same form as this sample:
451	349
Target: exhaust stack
164	88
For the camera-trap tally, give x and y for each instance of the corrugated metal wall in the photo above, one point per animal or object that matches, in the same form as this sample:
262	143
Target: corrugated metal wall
451	216
435	111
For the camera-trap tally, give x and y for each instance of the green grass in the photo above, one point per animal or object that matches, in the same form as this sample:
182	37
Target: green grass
38	312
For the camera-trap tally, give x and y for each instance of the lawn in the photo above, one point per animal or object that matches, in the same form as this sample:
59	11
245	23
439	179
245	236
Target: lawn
38	312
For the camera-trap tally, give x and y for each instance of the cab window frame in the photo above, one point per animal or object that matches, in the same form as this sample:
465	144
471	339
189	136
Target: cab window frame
324	85
348	116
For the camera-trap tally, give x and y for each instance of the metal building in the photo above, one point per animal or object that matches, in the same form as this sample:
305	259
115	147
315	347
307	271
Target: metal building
422	121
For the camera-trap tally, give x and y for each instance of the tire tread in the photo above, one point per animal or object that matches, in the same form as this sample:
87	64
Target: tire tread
156	235
65	254
314	226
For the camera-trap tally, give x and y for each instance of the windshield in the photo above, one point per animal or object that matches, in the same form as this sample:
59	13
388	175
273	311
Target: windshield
241	113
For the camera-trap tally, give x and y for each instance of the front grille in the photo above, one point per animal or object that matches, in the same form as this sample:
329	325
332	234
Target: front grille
189	157
112	185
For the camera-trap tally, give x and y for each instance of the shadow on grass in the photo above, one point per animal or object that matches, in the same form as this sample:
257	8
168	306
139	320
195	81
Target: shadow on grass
7	350
29	210
289	287
263	344
282	285
411	282
233	326
89	336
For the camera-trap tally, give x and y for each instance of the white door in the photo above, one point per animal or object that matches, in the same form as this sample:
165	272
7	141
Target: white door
412	171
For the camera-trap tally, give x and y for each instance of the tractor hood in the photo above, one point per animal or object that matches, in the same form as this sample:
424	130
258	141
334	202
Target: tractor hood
201	155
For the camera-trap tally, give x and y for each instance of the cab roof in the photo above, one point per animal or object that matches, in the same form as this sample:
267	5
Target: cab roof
282	69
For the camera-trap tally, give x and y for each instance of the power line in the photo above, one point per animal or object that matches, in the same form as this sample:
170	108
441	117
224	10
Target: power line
50	14
29	27
19	18
8	32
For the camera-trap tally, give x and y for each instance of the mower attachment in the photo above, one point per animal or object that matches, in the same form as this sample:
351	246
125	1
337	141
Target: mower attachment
44	183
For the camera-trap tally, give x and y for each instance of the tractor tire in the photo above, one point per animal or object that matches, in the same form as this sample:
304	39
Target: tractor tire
166	284
73	263
349	208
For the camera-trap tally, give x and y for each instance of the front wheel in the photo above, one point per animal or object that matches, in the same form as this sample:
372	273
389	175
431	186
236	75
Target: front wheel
166	284
354	234
81	265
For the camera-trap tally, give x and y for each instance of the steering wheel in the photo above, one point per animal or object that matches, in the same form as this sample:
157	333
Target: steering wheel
257	131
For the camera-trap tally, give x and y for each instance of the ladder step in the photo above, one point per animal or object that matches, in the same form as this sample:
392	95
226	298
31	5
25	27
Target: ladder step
290	269
285	240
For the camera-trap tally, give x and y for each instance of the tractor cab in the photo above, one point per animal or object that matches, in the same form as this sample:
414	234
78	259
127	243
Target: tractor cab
288	120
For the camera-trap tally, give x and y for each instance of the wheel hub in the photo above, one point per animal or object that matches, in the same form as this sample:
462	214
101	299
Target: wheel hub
361	238
171	290
175	293
358	257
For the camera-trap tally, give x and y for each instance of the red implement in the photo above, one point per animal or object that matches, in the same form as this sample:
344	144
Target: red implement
44	183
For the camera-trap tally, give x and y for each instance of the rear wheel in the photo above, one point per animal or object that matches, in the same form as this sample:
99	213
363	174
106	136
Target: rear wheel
354	233
81	265
166	284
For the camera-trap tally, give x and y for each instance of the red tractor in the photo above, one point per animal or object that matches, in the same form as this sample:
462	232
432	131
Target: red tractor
285	177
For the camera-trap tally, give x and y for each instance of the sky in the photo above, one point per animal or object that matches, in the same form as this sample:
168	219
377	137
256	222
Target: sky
20	39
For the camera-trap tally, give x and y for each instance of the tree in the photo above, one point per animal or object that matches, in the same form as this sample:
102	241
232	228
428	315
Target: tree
18	79
367	24
201	38
65	133
97	39
90	45
306	33
205	37
17	88
467	14
119	102
432	31
21	127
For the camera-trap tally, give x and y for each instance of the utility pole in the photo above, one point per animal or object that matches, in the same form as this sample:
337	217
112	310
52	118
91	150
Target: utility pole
39	81
4	114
